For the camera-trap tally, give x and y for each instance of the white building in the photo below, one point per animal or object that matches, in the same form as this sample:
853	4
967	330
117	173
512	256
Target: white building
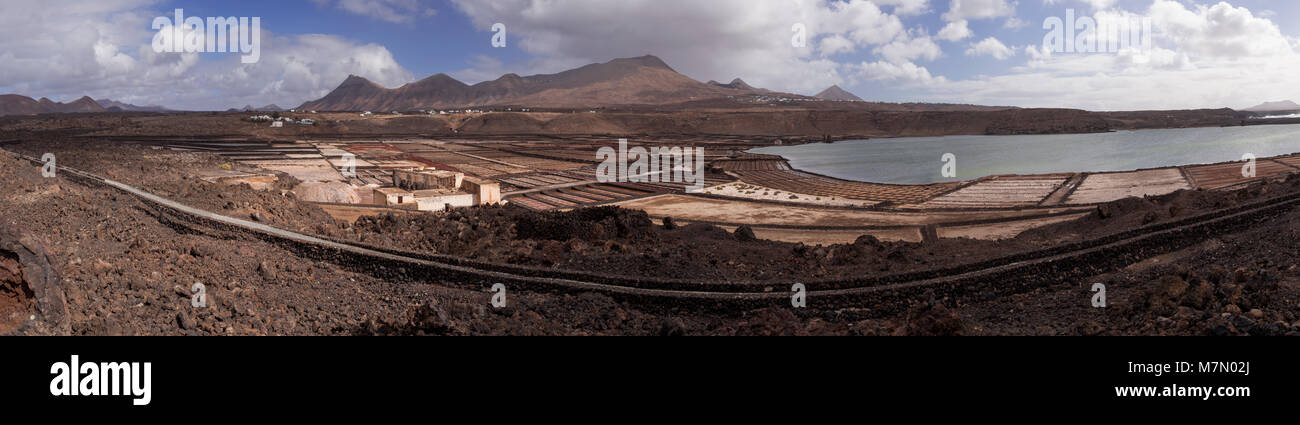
441	200
392	196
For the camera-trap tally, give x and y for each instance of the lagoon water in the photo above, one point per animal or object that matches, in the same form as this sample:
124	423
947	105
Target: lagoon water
917	160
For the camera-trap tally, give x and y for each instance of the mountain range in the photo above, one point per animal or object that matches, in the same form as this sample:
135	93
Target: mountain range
13	104
644	80
115	106
249	108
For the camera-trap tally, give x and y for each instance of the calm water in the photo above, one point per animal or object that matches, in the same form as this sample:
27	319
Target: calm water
916	160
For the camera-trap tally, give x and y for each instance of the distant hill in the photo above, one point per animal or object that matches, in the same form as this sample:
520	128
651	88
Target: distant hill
13	104
110	104
644	80
738	84
837	93
1279	106
249	108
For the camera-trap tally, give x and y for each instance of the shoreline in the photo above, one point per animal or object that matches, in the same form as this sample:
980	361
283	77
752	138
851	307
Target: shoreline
765	150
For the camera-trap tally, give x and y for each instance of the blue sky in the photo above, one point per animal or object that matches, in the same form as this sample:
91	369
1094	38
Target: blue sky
427	45
1207	54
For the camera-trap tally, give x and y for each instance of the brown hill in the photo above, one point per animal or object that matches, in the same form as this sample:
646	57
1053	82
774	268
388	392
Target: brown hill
739	84
355	93
837	93
109	104
13	104
84	104
644	80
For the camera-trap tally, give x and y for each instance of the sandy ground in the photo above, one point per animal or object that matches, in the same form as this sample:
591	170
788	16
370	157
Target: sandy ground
988	232
257	181
741	212
307	171
1215	176
1097	188
751	191
332	192
351	213
1010	192
1006	230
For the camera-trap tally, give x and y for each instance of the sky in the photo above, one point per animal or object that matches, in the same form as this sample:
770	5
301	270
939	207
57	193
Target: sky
1202	54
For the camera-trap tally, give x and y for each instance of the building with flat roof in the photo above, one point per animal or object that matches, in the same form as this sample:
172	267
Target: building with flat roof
392	197
486	192
442	200
437	190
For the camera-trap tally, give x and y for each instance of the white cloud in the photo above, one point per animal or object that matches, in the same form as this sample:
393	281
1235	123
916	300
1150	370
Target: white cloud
907	7
905	72
303	67
955	31
910	49
485	68
482	68
990	47
1219	31
1094	4
65	49
1209	55
835	44
711	40
1100	4
1203	56
961	12
966	10
395	11
1037	54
